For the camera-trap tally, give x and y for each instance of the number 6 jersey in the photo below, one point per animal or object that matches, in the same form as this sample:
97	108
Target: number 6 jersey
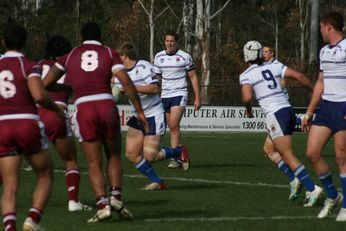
265	81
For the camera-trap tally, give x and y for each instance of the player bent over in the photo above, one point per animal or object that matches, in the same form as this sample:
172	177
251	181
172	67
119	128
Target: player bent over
147	85
22	134
59	132
262	78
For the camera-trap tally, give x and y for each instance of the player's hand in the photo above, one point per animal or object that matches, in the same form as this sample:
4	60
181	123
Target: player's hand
141	118
197	104
249	114
306	122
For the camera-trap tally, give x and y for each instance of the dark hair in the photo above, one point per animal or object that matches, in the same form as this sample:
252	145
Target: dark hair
14	36
57	46
172	33
91	31
335	19
128	49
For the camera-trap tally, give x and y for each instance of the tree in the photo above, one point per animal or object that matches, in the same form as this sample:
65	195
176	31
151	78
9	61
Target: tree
202	31
314	4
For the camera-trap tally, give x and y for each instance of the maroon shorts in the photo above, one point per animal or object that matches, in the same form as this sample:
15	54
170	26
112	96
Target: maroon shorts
55	127
97	120
21	136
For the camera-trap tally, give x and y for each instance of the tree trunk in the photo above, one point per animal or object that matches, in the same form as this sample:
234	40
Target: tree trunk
188	10
315	5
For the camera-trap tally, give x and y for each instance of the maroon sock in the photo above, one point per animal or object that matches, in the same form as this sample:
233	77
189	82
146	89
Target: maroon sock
72	183
35	215
115	192
101	202
9	221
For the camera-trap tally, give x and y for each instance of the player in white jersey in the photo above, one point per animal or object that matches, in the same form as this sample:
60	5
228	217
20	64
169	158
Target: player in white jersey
268	56
172	65
264	80
330	120
147	84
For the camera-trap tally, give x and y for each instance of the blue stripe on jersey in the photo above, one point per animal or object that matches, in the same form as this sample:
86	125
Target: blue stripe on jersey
175	67
244	80
334	77
173	78
274	93
258	82
149	76
336	62
179	88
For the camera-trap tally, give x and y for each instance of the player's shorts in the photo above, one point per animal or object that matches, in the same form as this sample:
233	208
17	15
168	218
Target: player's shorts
55	127
281	123
331	115
156	123
174	101
22	136
97	120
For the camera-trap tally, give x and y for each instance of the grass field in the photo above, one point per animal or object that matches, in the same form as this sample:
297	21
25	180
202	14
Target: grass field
230	186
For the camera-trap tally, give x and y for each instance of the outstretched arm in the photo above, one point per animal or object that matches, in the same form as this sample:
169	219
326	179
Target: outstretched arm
291	73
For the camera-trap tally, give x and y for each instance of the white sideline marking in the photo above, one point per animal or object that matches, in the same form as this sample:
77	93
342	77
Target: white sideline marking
203	219
200	180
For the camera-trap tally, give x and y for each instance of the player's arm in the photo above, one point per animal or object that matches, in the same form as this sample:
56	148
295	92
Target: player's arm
246	96
315	99
291	73
148	89
41	97
131	92
195	85
53	75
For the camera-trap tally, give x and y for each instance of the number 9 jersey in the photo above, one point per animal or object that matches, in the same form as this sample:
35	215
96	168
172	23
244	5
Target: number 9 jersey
265	81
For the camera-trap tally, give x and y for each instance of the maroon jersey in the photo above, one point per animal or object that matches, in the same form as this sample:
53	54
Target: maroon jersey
89	69
15	98
59	97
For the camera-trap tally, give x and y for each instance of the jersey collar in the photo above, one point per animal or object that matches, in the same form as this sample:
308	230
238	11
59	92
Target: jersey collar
13	54
93	42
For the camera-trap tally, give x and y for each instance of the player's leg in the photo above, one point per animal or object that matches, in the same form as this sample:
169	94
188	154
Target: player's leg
9	169
340	154
275	157
43	167
114	172
66	148
93	154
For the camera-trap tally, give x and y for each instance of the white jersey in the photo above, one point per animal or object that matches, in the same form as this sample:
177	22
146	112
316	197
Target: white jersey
333	66
284	88
265	81
142	74
173	68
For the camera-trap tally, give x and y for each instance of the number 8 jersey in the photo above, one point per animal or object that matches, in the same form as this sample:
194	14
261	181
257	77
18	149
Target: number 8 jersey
89	68
265	81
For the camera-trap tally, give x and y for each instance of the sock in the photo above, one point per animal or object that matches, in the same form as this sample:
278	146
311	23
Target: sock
115	192
101	202
328	185
171	152
145	167
35	215
9	221
343	185
72	183
285	169
303	176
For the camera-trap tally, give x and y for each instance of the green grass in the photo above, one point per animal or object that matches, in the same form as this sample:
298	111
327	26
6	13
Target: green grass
230	186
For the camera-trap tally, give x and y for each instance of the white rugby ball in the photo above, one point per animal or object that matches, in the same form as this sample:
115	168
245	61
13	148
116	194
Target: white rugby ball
116	92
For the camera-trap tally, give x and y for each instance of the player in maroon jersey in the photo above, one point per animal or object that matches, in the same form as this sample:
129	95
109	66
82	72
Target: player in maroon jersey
58	131
22	134
89	69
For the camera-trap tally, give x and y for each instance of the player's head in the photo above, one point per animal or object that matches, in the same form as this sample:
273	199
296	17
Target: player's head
329	22
91	31
57	46
252	51
268	53
14	37
171	39
127	49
